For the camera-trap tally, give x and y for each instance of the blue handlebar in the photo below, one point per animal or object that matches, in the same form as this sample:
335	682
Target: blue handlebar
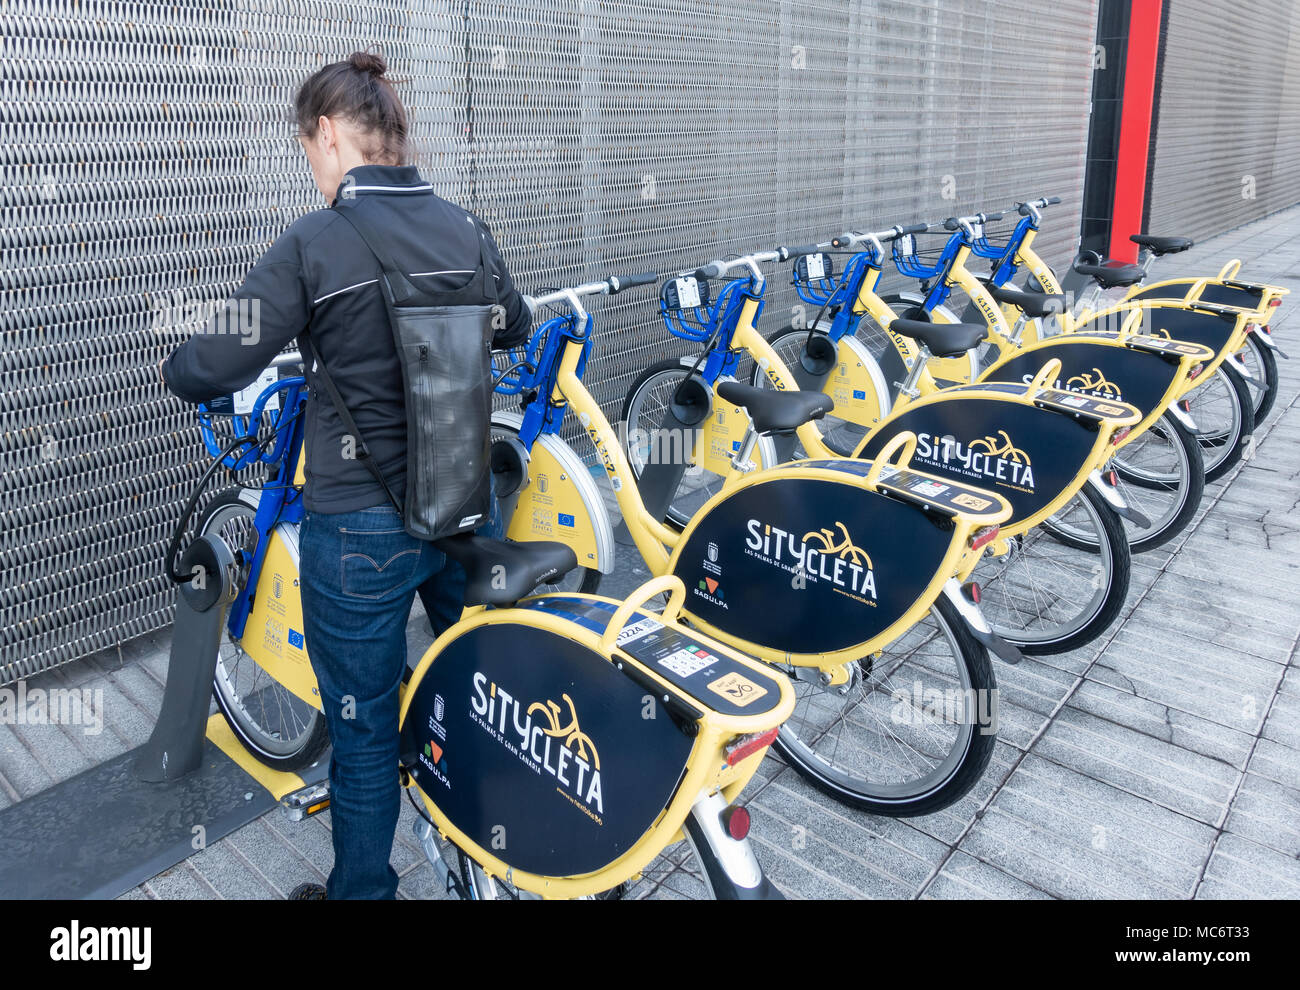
247	427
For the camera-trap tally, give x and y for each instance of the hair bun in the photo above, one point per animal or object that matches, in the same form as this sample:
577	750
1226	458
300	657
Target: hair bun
371	62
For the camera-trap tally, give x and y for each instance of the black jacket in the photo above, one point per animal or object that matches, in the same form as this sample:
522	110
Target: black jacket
319	275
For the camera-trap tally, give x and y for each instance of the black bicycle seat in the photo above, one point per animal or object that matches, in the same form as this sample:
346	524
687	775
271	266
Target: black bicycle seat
1035	305
499	572
943	339
1161	245
1111	274
776	412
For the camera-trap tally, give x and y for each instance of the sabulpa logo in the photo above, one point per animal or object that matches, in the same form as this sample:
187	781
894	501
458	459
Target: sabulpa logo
77	944
993	456
573	762
821	555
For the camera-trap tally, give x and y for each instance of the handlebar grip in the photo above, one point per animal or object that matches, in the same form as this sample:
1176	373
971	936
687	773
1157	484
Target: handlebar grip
916	228
951	224
1051	200
994	216
711	270
617	283
794	252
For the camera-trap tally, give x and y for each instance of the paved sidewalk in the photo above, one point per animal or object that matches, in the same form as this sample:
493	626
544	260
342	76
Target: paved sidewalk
1160	762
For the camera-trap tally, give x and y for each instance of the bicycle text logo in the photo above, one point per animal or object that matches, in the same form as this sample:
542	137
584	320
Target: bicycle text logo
825	555
573	761
991	457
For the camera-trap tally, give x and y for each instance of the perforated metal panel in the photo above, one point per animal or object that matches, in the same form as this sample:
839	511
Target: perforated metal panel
148	160
1227	144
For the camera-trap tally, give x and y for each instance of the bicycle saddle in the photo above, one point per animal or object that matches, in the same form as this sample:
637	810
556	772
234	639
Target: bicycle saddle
1033	304
943	339
1111	274
776	412
499	572
1162	245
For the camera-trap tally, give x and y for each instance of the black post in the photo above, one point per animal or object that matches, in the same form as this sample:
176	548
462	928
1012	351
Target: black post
176	746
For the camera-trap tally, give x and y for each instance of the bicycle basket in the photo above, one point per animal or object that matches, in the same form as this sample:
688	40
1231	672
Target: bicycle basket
516	369
912	262
814	278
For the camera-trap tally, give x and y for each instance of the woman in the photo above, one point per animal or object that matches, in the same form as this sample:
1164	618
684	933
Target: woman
359	568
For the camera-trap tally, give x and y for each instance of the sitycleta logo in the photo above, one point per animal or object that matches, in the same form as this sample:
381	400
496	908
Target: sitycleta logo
827	554
993	458
1090	383
573	761
1095	383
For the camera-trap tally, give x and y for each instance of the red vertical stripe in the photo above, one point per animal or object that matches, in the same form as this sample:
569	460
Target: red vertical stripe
1135	127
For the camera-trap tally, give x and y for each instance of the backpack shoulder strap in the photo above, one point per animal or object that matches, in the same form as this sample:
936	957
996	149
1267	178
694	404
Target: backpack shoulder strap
363	451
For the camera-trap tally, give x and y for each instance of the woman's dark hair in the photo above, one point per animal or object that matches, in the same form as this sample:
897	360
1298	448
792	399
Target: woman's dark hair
358	91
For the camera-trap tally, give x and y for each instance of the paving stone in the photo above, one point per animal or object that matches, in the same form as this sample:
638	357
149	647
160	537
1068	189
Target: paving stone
964	877
1276	762
180	883
278	864
229	875
1093	822
1242	868
1267	812
796	879
1117	703
884	857
21	770
1175	778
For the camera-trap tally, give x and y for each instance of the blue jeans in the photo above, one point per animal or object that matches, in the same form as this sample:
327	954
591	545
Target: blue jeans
360	572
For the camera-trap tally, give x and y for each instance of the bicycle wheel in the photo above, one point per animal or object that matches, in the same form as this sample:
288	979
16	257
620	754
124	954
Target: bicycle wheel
1225	419
271	722
1049	596
910	732
841	435
1162	475
584	580
1261	364
643	411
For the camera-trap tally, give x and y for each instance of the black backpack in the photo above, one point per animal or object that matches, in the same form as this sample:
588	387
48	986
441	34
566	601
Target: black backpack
444	344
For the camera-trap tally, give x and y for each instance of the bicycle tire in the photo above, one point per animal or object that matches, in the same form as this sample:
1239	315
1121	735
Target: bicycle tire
968	767
1104	605
1190	486
1267	363
1229	447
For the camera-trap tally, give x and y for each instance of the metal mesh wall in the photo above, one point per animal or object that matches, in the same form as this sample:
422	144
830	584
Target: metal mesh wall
148	160
1227	146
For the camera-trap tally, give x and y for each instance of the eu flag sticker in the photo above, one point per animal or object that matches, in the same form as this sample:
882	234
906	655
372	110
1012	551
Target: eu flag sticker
859	394
565	519
295	638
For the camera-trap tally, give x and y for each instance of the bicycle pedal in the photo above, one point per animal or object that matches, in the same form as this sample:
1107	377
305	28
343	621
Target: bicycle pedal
305	802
